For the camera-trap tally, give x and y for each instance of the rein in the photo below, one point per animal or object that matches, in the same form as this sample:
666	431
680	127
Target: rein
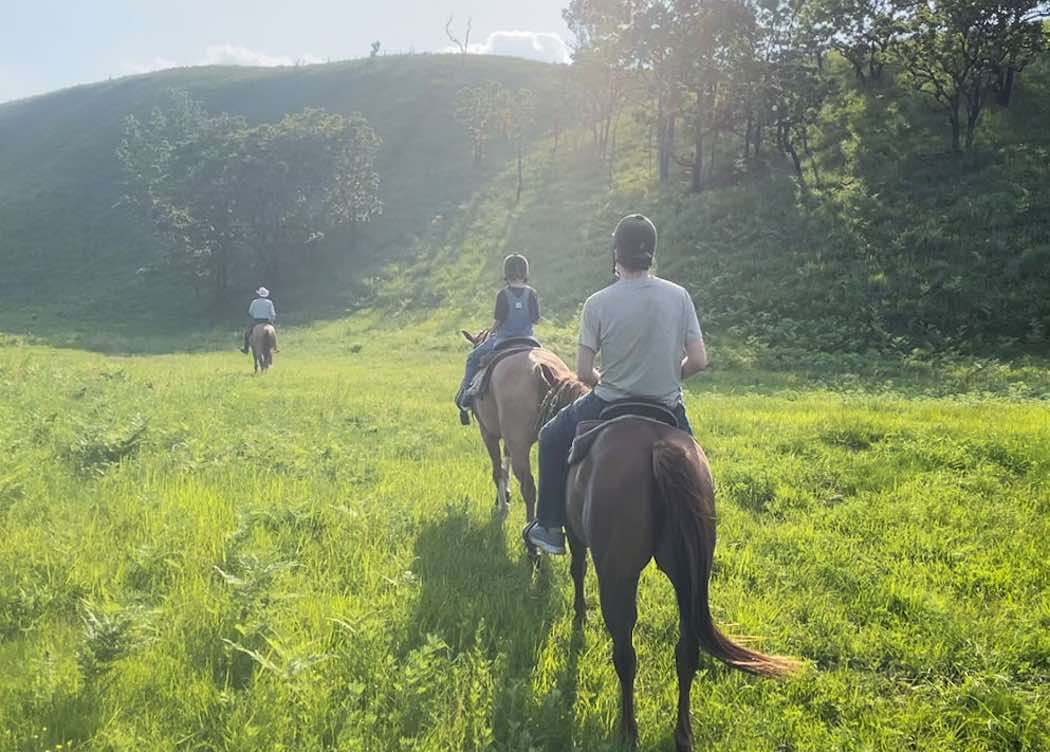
560	395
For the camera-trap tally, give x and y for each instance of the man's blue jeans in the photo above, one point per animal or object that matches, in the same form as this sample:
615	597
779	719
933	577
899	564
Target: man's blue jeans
556	440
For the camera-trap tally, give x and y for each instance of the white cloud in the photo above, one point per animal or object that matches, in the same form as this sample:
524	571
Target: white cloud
224	54
156	64
235	54
533	45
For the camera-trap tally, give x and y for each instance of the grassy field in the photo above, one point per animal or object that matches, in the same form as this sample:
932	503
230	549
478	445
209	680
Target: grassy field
192	558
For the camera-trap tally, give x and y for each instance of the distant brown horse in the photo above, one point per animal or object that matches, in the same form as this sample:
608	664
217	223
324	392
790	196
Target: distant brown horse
512	411
263	342
644	491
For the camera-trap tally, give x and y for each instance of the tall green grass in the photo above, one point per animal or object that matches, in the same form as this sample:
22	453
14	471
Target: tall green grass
193	558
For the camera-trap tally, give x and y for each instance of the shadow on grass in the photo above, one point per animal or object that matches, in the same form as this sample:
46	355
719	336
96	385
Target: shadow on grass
478	593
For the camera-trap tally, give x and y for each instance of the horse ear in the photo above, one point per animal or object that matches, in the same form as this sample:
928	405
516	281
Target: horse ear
467	336
548	374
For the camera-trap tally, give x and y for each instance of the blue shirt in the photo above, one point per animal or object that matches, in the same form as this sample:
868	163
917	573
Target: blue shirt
262	308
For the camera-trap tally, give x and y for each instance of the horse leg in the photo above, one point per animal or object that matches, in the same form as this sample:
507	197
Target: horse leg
522	466
492	444
506	476
620	609
578	569
687	652
687	660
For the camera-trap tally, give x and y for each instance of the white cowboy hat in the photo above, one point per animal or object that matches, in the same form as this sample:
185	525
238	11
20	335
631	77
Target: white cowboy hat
262	292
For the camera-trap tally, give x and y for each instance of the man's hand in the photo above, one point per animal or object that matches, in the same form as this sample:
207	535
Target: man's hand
695	359
585	367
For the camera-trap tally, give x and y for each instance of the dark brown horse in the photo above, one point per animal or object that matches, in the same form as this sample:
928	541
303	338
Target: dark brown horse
263	341
644	491
512	412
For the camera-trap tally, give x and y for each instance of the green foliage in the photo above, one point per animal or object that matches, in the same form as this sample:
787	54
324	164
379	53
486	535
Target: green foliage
212	186
479	110
308	560
957	51
76	258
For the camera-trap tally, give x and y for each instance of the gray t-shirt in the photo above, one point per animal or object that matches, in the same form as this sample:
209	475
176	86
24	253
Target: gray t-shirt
640	327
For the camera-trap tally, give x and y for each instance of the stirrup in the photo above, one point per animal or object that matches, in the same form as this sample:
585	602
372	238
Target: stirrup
464	417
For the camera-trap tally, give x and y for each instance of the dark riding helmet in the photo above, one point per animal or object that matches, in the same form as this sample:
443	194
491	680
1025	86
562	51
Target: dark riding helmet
634	242
516	266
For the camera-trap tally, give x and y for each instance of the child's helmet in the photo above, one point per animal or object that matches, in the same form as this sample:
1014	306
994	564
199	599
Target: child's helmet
516	266
634	241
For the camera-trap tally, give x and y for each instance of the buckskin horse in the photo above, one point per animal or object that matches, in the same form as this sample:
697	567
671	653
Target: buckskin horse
637	490
517	403
263	342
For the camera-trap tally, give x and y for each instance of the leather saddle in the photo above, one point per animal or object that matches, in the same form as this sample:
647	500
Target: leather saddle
480	385
587	431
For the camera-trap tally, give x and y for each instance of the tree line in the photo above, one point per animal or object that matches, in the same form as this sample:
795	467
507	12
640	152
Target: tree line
711	78
230	197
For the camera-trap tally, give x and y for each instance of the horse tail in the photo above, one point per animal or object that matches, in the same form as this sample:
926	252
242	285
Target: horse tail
269	340
692	526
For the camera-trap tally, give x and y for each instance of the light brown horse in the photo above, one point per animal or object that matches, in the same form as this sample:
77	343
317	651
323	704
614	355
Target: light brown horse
512	412
644	491
263	342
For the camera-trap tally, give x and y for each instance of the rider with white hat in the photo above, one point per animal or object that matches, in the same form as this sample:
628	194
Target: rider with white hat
261	311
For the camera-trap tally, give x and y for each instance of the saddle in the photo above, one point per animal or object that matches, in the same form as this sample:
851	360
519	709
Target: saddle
480	385
618	412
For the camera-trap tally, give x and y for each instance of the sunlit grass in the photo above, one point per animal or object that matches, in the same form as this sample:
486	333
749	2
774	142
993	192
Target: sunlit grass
195	558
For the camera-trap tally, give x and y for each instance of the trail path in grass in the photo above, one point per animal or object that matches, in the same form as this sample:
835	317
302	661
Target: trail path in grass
192	558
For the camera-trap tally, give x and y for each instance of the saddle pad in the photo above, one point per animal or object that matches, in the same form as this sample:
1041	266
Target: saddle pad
480	385
588	431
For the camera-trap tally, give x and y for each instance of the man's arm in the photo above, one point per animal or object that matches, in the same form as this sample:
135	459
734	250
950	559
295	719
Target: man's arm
695	359
585	366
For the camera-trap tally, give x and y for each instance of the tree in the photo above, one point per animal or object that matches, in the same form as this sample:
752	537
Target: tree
518	111
864	32
180	170
374	53
478	110
957	50
462	45
213	186
355	193
600	63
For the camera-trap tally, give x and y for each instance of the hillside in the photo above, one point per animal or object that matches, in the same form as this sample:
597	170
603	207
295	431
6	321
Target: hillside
888	244
896	246
71	252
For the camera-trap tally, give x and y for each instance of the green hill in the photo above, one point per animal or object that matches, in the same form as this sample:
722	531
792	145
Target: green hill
71	252
889	244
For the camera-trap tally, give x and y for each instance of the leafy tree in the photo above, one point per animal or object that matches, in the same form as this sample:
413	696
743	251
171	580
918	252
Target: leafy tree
478	109
214	186
864	32
180	165
355	195
957	50
600	63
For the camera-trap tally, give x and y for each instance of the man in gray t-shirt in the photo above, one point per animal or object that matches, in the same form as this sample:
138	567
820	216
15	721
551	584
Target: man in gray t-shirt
641	327
646	331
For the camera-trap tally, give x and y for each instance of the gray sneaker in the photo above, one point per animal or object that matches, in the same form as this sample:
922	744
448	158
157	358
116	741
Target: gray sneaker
548	540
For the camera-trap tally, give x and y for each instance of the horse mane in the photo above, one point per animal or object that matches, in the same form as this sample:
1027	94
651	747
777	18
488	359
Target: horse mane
560	394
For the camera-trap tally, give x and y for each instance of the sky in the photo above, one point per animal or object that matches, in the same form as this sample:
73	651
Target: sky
47	44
